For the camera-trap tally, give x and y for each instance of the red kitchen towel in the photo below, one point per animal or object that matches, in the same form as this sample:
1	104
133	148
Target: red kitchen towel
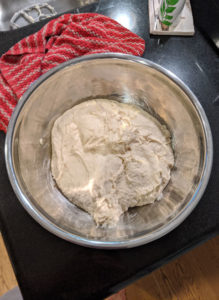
61	39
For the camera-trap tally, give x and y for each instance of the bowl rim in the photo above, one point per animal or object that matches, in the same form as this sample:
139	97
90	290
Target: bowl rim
132	242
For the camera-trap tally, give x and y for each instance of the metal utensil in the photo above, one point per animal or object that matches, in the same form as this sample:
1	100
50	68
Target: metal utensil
19	13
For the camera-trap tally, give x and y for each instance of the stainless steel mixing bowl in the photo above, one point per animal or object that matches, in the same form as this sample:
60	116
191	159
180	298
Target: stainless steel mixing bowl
123	78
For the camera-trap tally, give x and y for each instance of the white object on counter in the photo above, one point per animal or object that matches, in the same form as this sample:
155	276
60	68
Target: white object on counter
183	25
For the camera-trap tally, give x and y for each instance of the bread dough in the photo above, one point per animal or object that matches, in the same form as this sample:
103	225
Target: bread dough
108	156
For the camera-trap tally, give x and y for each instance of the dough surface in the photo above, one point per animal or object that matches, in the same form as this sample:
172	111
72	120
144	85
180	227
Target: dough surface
108	156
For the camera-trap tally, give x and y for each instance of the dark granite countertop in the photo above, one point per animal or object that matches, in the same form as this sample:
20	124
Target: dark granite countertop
50	268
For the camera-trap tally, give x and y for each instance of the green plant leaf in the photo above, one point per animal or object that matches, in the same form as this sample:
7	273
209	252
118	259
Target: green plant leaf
166	23
172	2
162	8
170	9
168	17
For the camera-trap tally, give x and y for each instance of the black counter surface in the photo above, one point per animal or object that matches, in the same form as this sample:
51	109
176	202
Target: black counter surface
50	268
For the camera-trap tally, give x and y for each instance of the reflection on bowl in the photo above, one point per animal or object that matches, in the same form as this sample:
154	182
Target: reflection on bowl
122	78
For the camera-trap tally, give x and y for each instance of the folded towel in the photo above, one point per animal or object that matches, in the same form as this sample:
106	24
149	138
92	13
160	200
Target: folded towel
61	39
